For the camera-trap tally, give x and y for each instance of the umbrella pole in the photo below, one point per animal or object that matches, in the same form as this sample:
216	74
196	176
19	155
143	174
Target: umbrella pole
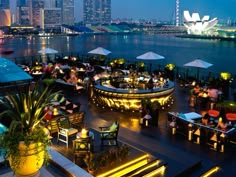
186	74
150	67
197	74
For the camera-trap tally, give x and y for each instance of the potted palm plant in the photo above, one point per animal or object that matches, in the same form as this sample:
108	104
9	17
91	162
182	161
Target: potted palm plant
26	142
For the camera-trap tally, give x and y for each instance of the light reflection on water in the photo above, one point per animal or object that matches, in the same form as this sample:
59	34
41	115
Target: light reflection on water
176	50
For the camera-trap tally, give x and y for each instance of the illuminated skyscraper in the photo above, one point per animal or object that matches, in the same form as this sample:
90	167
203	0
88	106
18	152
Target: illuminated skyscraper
97	11
23	15
36	6
21	3
4	4
50	18
5	17
24	12
68	12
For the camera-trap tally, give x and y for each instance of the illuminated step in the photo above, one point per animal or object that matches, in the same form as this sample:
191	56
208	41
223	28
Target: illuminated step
154	168
211	172
126	168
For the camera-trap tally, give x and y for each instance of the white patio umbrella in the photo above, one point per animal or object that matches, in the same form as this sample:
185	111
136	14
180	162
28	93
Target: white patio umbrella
198	64
100	51
47	51
150	56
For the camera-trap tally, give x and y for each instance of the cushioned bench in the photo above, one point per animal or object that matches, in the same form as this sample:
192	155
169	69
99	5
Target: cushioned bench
65	86
213	113
231	116
69	107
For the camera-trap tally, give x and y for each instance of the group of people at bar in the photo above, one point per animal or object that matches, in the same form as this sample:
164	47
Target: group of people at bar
203	95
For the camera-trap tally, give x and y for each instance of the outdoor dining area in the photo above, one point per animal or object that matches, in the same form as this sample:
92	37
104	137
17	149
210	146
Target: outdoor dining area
96	151
214	129
122	88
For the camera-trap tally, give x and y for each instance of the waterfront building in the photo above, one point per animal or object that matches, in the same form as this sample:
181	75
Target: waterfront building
21	3
97	11
5	17
36	6
50	4
67	7
4	4
50	18
198	26
23	15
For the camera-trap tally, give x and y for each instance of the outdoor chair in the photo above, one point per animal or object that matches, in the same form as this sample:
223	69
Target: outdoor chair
65	130
77	119
52	126
109	134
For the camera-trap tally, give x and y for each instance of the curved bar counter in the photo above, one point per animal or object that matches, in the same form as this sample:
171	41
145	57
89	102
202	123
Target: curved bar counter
128	98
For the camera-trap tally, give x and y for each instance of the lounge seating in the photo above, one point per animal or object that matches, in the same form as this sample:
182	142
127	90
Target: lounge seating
65	130
52	126
109	135
231	116
65	86
213	113
69	107
77	119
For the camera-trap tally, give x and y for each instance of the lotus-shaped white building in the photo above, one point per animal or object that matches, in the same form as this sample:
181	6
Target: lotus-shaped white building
198	26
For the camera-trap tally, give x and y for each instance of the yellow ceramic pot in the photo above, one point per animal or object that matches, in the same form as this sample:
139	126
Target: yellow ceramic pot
30	161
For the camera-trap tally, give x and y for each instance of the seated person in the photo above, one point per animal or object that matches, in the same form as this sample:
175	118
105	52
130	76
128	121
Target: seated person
213	94
196	89
205	119
222	124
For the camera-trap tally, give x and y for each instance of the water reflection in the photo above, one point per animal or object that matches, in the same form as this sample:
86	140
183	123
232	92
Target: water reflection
176	50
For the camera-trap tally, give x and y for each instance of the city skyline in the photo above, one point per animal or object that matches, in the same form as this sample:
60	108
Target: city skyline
164	10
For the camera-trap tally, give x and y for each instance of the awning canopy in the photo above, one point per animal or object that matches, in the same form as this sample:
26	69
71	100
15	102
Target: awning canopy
10	72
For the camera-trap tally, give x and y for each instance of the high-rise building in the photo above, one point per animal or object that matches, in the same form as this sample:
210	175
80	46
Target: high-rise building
36	6
23	15
97	11
4	4
50	4
5	17
50	18
20	3
68	12
58	3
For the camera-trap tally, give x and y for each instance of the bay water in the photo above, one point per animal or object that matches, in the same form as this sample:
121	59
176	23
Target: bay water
222	54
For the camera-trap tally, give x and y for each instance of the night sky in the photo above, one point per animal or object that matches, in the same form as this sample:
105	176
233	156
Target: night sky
165	9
